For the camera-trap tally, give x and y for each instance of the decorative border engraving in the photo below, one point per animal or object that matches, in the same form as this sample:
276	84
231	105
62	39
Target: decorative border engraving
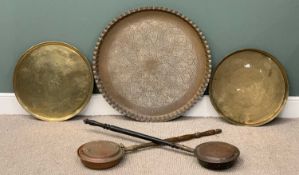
140	117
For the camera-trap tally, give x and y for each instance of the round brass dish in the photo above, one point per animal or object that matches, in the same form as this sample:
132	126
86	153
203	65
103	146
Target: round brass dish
152	64
53	81
249	87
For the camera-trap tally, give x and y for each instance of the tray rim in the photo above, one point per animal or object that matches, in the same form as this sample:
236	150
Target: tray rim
286	84
30	50
149	118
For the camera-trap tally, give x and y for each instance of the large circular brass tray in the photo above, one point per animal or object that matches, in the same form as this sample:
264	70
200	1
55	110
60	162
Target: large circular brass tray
152	64
249	87
53	81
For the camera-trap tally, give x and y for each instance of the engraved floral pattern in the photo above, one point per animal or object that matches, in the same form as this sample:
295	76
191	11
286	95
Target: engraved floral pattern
149	63
174	61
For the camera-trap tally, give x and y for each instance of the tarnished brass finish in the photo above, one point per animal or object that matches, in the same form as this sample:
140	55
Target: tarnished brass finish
152	64
249	87
216	155
53	81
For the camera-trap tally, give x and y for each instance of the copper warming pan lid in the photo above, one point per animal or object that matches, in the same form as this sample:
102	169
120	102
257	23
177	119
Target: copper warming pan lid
249	87
53	81
152	64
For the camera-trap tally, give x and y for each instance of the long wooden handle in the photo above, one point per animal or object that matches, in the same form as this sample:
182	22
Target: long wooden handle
175	139
139	135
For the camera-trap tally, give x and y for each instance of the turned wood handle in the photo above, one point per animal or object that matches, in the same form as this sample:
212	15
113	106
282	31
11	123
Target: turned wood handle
139	135
175	139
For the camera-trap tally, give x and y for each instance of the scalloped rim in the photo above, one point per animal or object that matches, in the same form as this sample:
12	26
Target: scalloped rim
131	113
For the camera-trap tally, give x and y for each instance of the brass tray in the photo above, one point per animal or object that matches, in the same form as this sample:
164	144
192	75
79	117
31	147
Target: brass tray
152	64
53	81
249	87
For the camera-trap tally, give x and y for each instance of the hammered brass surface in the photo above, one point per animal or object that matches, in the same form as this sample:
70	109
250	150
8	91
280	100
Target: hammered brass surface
249	87
53	81
152	65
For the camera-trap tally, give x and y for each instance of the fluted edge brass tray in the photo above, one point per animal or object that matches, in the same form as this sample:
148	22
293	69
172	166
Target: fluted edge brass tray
125	108
53	81
251	108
